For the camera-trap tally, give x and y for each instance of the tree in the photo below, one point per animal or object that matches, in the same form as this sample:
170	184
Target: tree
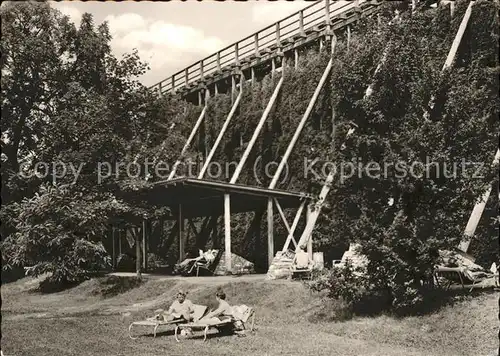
68	100
403	220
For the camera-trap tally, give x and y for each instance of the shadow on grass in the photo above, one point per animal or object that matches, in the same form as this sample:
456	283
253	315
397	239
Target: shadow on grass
106	286
336	310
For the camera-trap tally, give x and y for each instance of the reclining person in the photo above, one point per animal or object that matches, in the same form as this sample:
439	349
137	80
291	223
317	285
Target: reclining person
181	308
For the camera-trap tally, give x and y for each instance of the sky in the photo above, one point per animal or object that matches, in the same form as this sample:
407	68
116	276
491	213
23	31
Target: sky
172	35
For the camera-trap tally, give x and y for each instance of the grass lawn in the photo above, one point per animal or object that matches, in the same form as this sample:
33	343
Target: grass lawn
81	321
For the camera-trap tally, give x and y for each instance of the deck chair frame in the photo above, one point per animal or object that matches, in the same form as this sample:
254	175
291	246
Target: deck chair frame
444	271
199	311
206	327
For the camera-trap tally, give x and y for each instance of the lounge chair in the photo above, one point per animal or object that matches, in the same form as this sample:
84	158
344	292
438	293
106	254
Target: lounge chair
459	274
241	315
305	269
207	265
155	323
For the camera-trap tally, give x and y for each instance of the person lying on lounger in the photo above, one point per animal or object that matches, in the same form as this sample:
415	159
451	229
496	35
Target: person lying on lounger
181	308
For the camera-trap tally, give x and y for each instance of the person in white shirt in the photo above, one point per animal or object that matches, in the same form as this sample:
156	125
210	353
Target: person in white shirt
301	259
180	308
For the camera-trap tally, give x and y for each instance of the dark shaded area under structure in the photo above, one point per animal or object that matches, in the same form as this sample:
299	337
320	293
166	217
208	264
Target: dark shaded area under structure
199	197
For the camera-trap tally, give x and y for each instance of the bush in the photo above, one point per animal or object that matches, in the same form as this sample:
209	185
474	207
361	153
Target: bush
346	283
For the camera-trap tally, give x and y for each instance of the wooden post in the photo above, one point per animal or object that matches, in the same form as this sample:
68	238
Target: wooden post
273	67
278	36
236	54
201	70
348	36
310	240
138	256
173	84
181	235
144	246
301	23
186	76
270	231
327	14
452	8
119	242
227	232
218	61
256	43
159	88
252	71
296	51
114	243
216	89
233	88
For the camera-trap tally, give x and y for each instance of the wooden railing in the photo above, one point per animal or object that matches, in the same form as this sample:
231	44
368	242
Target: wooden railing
272	37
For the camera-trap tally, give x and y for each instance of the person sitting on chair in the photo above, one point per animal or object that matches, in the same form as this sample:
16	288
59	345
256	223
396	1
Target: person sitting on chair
223	310
301	260
181	308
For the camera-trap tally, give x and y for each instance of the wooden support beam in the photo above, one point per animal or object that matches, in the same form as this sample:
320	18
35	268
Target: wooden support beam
476	214
328	21
270	232
458	38
173	84
310	239
201	70
302	122
273	67
301	23
138	256
119	242
227	232
278	36
348	36
256	132
252	71
452	53
233	88
113	239
186	76
256	44
182	240
188	142
282	214
292	229
221	133
452	8
283	217
296	53
236	54
218	61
